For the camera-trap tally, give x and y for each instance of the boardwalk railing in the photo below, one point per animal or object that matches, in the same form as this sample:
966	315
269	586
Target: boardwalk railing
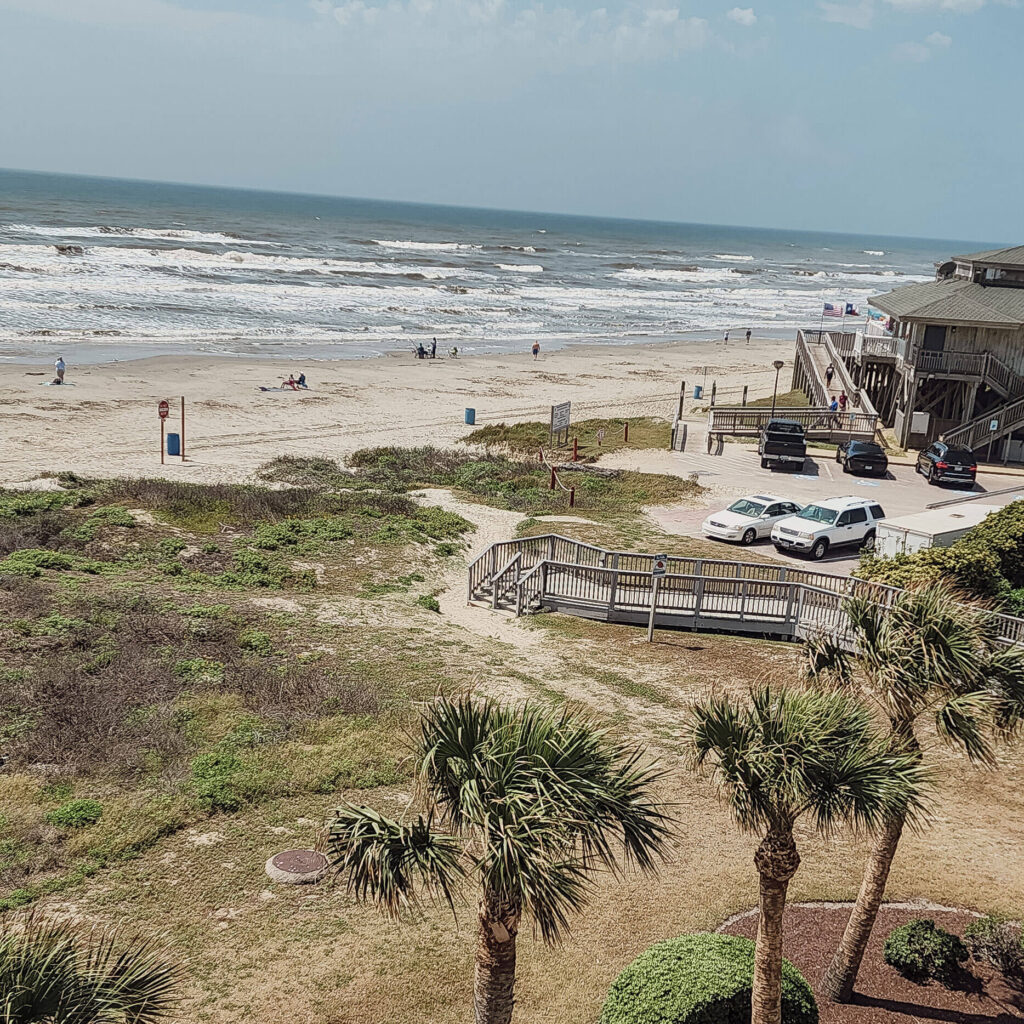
819	423
779	601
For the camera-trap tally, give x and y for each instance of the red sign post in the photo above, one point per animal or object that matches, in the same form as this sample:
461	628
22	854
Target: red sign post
163	410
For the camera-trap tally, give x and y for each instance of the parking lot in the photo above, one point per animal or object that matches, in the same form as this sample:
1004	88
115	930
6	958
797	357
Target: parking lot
737	472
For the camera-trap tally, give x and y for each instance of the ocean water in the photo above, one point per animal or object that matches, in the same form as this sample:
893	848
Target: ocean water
171	268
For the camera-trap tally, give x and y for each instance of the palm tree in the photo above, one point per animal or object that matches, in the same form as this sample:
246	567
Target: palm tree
929	656
526	801
789	755
51	975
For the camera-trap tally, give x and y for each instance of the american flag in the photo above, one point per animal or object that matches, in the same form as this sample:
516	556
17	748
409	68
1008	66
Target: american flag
831	310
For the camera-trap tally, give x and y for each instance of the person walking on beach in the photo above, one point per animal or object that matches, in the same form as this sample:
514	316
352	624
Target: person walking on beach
748	335
536	349
830	372
433	349
727	337
59	366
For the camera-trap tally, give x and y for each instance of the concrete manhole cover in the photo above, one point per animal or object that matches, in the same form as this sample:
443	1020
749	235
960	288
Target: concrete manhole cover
297	867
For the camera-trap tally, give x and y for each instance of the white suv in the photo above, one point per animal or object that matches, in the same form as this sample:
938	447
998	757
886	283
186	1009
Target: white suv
832	523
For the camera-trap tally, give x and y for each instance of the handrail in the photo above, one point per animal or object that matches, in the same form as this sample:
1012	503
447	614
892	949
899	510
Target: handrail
496	592
978	431
790	600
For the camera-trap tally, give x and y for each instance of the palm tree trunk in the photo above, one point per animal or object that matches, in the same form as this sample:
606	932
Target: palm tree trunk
776	861
841	975
494	983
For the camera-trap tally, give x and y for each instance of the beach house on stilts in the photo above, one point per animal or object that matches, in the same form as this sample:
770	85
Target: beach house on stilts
949	361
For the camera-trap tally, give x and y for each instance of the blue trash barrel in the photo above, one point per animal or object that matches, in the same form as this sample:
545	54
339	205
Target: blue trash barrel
698	390
173	444
471	416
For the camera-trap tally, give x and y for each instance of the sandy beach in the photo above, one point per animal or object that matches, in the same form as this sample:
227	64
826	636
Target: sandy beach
106	423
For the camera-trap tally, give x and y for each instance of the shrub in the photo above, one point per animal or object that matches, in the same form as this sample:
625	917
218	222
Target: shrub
997	941
221	781
429	602
76	814
920	951
700	979
257	641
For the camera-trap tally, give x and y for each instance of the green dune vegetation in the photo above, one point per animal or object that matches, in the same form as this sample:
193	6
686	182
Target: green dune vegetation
530	820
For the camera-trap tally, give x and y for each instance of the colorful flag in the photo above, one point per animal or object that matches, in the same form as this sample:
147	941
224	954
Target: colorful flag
875	315
831	310
850	311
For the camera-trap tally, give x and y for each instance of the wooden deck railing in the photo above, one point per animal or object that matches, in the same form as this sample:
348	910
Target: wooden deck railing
698	593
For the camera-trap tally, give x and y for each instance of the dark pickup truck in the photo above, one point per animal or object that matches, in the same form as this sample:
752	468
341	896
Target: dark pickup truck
782	442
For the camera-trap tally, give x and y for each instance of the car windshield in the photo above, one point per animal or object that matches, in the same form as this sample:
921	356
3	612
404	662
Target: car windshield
865	448
959	455
818	514
746	507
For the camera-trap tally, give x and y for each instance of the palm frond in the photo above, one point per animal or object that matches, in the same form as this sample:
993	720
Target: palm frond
791	753
826	662
545	796
387	862
51	972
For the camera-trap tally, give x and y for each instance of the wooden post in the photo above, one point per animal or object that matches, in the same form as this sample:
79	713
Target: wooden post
572	497
182	428
655	581
575	449
625	433
682	394
163	445
714	388
744	402
551	486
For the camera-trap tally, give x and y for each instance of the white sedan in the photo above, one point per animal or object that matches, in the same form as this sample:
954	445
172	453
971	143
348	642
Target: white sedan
749	518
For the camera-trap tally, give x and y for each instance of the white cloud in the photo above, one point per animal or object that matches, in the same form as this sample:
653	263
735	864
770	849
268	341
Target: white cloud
954	6
915	53
153	14
742	16
549	34
918	53
855	15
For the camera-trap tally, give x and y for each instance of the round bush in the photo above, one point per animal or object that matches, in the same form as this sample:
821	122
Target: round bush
76	814
920	951
700	979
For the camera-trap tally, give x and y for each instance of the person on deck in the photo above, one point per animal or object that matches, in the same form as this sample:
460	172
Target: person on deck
842	401
830	372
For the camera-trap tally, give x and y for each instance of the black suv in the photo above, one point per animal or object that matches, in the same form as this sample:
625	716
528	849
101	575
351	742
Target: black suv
942	463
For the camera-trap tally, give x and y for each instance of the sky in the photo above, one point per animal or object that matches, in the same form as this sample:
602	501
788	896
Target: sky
875	116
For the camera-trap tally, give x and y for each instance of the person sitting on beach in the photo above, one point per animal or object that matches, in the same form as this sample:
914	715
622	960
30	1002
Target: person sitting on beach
291	382
453	352
421	352
59	367
301	381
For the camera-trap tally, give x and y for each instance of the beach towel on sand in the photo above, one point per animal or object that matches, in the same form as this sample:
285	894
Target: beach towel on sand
55	384
281	389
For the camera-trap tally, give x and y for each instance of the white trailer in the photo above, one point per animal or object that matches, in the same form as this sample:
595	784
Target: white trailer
932	528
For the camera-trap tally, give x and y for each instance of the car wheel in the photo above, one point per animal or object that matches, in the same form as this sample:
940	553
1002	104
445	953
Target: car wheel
868	544
846	468
749	536
764	463
819	549
917	467
838	457
930	475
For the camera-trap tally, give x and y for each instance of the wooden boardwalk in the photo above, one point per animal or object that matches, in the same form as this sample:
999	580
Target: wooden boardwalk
554	573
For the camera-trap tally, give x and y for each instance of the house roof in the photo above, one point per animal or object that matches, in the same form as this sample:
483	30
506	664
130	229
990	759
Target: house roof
955	301
1012	257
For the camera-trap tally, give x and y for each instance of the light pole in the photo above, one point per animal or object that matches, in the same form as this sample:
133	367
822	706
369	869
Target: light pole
778	364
